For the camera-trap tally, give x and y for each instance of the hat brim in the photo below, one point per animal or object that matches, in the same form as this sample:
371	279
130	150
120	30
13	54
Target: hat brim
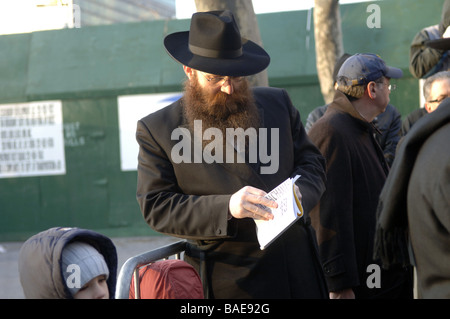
439	44
254	59
393	73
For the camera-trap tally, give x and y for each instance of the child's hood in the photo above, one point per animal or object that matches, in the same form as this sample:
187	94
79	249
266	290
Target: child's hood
40	270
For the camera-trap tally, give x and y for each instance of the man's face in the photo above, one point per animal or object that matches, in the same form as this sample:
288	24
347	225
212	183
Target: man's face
225	84
439	90
220	102
383	92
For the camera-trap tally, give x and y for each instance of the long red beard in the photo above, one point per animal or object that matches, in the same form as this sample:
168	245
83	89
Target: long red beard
220	110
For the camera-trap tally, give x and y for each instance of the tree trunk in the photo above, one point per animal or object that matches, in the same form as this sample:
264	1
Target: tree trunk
329	45
248	25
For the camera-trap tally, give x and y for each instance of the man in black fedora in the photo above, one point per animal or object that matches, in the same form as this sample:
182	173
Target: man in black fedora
195	183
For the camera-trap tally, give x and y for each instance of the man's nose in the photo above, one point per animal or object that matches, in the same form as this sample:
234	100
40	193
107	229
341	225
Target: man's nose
227	87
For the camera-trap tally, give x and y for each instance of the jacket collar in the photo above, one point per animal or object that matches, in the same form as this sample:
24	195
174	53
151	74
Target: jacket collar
342	104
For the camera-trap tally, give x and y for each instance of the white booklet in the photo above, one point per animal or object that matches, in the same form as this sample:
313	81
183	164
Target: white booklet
288	211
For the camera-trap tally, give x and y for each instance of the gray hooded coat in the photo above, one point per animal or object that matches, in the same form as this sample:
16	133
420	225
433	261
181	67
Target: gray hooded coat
41	274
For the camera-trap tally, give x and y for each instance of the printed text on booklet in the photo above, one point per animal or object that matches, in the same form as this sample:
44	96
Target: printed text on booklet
288	211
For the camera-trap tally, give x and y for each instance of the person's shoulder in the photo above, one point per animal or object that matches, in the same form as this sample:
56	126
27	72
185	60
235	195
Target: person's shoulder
391	109
319	111
271	97
165	114
330	124
415	115
268	90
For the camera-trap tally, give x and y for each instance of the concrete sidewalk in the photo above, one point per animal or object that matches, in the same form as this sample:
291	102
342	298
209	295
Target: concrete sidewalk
127	247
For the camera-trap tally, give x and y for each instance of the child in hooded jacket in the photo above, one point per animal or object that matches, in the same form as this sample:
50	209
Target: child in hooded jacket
66	263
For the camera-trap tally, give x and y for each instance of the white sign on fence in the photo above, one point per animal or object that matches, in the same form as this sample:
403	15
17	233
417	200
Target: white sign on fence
132	108
31	139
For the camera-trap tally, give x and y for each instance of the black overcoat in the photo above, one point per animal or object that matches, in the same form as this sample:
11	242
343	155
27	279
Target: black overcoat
345	217
190	200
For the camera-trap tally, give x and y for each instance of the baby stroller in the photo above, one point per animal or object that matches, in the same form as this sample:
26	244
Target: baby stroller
153	275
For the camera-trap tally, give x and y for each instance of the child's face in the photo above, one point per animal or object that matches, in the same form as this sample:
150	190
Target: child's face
97	288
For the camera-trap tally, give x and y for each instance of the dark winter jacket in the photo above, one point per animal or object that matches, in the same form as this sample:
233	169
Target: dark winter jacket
412	118
392	224
345	217
190	200
388	124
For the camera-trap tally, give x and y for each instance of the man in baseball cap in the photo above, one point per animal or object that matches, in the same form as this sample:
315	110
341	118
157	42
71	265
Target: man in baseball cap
356	171
365	80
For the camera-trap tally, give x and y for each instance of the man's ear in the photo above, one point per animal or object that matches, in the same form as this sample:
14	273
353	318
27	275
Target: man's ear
371	90
189	71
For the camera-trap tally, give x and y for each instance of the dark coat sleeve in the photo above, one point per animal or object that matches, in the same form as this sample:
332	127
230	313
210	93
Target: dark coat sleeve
309	163
164	206
298	155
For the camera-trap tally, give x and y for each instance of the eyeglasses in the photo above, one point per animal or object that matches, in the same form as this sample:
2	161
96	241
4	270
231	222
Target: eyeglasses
391	87
439	100
220	80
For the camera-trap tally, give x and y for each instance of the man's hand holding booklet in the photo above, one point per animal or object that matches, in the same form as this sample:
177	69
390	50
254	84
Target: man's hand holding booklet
288	211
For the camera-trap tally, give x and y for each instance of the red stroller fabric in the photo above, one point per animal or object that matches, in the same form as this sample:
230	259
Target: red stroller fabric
168	279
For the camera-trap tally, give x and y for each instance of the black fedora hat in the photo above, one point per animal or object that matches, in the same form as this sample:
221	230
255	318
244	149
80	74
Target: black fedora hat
214	45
